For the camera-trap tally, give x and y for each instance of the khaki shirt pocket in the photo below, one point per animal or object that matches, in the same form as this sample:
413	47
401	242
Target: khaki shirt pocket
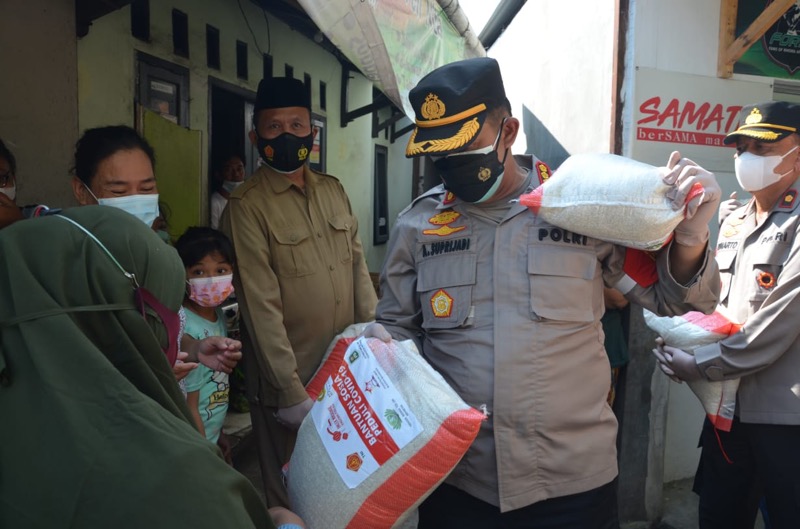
293	255
562	283
725	260
343	236
444	286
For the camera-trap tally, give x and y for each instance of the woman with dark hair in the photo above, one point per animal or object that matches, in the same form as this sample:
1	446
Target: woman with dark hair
114	166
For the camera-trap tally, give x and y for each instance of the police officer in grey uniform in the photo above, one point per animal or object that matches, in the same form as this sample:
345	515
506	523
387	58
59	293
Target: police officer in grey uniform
758	253
507	308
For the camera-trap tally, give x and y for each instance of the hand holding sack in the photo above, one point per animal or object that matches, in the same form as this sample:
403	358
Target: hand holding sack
626	202
683	334
384	431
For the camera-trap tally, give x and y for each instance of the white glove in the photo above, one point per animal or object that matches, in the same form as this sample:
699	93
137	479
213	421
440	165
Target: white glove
700	187
727	207
292	417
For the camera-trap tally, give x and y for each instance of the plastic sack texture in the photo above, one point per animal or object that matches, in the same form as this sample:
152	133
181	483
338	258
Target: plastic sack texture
692	330
384	431
608	197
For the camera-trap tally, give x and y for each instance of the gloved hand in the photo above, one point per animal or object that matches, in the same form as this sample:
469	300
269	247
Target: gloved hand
700	187
676	363
376	330
292	417
727	207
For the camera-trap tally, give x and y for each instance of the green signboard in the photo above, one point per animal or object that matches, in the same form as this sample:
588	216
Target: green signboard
777	53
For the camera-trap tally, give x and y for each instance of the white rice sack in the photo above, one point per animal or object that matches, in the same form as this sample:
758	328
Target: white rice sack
695	329
385	430
610	198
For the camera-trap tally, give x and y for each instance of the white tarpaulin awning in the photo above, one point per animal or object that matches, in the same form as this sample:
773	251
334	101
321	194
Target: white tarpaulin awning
394	43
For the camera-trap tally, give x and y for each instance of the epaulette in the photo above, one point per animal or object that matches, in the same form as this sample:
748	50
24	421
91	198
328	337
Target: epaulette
434	191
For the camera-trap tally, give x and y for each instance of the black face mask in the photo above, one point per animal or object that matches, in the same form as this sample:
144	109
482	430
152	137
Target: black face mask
473	177
287	152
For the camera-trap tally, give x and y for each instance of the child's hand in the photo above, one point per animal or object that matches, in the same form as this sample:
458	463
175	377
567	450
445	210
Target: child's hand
218	353
181	368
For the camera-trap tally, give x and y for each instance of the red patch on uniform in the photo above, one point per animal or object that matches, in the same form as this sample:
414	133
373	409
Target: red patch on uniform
641	267
788	199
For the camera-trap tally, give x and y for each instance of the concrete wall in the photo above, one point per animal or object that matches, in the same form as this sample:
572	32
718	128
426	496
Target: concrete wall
39	95
556	62
106	59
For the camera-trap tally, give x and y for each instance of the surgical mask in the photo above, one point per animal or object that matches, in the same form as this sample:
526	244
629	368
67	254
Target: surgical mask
230	186
285	153
210	291
143	207
10	192
473	176
755	172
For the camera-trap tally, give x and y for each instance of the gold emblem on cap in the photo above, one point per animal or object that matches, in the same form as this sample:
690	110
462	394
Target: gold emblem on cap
432	108
754	117
484	174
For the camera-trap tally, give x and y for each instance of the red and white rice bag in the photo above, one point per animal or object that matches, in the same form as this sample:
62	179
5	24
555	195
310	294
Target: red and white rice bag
385	430
695	329
608	197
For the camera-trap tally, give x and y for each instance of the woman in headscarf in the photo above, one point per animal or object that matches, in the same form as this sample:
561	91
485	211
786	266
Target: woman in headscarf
95	432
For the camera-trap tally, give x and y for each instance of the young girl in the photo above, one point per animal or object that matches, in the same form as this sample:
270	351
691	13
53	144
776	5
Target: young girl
208	258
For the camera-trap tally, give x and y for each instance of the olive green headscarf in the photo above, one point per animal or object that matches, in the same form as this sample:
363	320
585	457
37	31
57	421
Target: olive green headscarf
94	431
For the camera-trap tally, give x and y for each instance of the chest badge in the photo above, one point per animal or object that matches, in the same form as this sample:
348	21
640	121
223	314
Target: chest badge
443	220
441	304
766	280
729	231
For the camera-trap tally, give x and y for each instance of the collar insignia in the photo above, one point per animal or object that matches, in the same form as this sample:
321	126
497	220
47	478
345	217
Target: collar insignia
449	198
544	171
788	199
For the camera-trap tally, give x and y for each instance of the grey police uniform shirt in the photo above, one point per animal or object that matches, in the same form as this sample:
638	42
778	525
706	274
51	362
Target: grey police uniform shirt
760	272
508	311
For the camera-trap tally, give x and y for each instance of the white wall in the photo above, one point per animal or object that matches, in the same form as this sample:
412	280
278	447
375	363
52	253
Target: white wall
38	96
556	61
106	63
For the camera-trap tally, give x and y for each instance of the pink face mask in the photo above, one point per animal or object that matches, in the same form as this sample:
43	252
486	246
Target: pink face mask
210	291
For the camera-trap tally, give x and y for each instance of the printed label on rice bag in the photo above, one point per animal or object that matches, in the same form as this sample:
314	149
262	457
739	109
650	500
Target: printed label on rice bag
361	417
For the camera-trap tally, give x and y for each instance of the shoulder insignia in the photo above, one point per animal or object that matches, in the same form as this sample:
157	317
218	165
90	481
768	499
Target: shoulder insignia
445	217
444	231
441	304
788	199
543	171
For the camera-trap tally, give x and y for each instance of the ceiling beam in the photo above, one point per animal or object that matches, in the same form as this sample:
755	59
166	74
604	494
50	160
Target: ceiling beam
731	50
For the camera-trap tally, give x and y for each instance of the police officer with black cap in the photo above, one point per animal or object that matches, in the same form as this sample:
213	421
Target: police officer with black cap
758	253
507	308
301	277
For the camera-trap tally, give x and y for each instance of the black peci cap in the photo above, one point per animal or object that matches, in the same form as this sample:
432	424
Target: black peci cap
281	92
769	122
451	104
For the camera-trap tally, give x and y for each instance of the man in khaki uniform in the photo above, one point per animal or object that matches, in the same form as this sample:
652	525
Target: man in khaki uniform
758	252
301	277
507	308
